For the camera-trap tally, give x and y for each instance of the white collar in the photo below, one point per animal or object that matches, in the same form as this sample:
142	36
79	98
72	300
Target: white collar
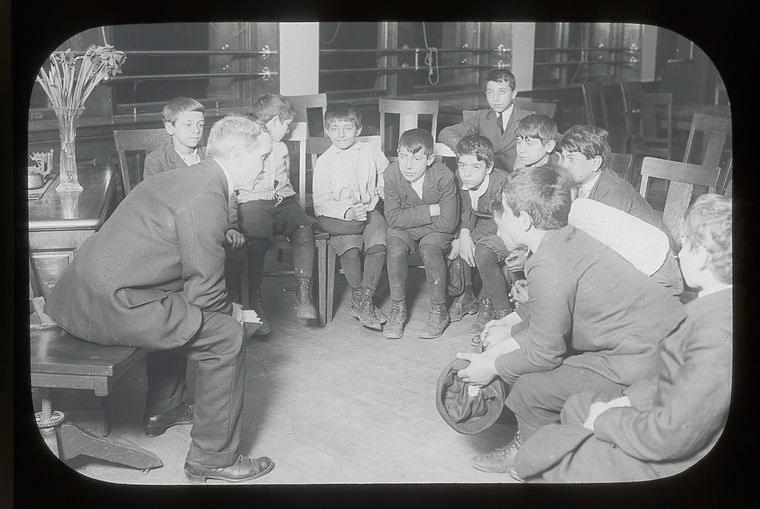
704	293
506	114
475	194
588	186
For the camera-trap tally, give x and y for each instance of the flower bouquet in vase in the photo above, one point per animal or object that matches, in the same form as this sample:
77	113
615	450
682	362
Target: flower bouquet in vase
68	83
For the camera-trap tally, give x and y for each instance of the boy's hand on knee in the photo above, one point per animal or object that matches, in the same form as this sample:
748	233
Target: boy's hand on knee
481	370
454	252
357	212
467	248
235	239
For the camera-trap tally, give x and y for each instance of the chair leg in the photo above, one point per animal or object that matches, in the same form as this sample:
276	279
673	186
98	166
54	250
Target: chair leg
330	282
322	274
244	298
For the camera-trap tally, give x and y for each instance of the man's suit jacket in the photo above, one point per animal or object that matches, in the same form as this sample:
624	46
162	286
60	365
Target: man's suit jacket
480	221
612	190
483	123
404	208
157	262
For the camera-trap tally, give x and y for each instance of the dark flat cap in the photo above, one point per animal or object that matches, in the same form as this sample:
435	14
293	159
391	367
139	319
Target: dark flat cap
467	412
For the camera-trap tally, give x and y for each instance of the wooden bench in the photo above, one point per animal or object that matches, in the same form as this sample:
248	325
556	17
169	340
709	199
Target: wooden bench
62	361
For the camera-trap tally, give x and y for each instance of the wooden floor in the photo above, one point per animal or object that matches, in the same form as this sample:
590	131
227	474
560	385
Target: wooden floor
339	404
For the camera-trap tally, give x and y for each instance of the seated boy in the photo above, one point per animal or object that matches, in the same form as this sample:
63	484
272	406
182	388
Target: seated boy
536	139
348	189
594	321
584	153
497	123
422	211
184	120
477	243
663	424
271	208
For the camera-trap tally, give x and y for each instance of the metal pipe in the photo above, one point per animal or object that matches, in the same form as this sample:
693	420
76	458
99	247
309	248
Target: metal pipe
145	77
397	51
590	62
563	50
410	68
164	53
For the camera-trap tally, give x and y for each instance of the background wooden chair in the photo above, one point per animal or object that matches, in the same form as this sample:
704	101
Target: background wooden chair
593	101
543	107
310	109
707	138
682	178
628	92
655	133
134	145
622	164
316	147
409	112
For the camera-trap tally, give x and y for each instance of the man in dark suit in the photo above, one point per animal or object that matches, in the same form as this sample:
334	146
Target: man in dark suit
497	123
153	277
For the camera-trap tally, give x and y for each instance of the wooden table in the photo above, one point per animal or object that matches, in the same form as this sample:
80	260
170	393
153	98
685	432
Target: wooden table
59	223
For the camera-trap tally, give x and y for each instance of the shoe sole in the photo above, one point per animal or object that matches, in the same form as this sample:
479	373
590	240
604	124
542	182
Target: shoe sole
158	432
490	470
379	326
201	479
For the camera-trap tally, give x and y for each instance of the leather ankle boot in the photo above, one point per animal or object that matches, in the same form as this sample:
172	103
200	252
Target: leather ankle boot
364	309
465	304
304	306
438	320
485	315
257	305
394	329
498	314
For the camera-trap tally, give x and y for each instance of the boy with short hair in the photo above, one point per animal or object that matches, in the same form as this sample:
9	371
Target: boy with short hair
348	193
593	320
184	121
661	425
422	211
498	123
536	140
584	153
271	208
476	241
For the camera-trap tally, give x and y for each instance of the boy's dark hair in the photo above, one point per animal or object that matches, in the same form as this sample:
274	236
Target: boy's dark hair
498	75
708	224
415	140
342	111
537	126
478	146
542	192
589	140
178	105
267	106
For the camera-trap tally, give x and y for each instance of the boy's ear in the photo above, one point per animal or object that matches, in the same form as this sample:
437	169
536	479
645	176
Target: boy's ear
489	169
525	221
359	131
430	159
597	162
702	258
169	128
549	145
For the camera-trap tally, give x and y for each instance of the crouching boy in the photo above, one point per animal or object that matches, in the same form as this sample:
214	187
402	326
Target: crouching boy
422	210
663	424
348	192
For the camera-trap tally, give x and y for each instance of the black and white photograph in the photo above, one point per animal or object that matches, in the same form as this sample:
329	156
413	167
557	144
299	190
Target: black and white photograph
378	252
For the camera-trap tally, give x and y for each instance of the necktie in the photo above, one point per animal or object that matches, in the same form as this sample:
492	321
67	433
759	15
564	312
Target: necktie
500	123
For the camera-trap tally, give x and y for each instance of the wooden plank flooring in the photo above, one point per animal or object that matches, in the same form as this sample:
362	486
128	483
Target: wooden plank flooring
339	404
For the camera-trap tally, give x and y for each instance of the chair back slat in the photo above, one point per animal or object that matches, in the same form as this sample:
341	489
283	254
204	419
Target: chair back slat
593	99
303	104
143	141
712	132
682	178
409	111
542	107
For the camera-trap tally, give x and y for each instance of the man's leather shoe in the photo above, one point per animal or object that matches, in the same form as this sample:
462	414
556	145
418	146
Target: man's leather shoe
243	469
155	425
501	459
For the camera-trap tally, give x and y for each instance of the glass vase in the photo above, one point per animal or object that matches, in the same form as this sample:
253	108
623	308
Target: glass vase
67	127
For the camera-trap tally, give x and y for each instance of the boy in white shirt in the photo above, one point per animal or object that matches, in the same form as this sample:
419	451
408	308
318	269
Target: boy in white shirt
348	194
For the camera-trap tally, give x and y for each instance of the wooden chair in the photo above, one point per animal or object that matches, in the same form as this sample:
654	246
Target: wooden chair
725	177
317	147
593	101
409	112
297	136
622	164
707	137
655	110
682	178
139	142
542	107
59	360
306	104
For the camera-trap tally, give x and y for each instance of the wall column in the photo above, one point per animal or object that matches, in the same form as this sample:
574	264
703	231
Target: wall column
523	44
648	52
299	58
